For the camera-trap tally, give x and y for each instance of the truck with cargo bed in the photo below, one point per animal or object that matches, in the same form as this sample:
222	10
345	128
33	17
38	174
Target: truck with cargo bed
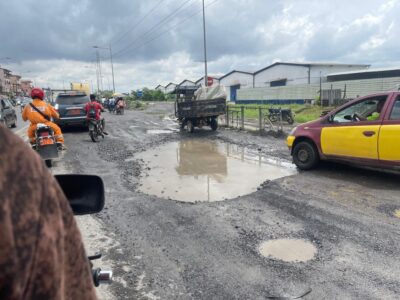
196	107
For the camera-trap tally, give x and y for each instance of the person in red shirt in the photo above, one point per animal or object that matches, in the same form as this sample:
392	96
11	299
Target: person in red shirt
98	108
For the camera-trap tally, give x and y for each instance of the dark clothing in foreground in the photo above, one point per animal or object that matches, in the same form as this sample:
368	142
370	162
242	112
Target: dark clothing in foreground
41	250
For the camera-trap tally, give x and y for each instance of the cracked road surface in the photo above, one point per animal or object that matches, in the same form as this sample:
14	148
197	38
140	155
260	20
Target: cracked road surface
165	249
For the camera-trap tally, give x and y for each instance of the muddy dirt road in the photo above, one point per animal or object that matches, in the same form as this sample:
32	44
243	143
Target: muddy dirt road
331	233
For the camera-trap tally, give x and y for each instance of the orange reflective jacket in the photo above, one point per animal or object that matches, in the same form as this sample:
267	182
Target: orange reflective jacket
34	117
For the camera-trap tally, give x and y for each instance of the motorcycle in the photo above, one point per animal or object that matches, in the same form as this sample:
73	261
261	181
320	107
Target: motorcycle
85	194
276	114
111	108
120	109
45	144
95	129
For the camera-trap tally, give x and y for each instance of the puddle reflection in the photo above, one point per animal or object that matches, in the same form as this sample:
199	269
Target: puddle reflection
197	170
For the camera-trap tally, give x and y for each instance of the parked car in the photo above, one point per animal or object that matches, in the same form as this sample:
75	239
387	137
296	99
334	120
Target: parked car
8	117
70	106
365	131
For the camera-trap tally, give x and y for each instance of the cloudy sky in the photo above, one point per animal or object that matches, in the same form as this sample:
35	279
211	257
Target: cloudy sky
158	41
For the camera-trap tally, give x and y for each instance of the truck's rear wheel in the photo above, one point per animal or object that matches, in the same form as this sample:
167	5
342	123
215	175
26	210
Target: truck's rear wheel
305	155
214	124
189	126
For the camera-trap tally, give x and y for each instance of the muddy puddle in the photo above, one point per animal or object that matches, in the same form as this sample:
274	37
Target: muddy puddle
198	170
158	131
289	250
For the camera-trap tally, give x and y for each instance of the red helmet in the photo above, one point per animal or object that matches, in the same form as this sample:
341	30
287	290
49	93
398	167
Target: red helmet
37	93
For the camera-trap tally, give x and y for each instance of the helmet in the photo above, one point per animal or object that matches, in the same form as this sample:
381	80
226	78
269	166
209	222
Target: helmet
92	97
37	93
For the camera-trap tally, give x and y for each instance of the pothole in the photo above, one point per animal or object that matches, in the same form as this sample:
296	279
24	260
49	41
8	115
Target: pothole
198	170
288	250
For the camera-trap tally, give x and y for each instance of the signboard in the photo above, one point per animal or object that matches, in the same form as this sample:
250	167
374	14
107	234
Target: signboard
210	81
139	94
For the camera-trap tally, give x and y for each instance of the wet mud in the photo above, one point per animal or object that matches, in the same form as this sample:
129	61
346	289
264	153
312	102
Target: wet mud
193	170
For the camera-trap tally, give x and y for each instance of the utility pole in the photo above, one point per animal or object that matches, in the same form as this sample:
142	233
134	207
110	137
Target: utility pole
112	65
112	69
320	88
100	74
97	71
205	47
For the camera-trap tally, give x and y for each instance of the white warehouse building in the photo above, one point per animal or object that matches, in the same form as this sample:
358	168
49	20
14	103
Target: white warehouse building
170	87
235	80
286	73
160	88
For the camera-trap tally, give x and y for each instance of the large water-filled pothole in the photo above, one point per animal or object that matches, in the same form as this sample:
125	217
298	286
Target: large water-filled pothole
289	250
200	170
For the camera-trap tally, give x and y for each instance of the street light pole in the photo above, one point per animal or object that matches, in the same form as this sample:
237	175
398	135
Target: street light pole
205	47
97	71
112	69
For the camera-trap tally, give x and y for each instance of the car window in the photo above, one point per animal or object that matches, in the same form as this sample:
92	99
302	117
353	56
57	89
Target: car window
361	111
395	115
8	103
71	100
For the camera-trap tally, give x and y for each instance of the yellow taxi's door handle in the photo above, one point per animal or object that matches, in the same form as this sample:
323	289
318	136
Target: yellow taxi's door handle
369	133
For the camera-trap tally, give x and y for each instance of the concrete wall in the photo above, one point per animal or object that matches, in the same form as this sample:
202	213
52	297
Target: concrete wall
303	92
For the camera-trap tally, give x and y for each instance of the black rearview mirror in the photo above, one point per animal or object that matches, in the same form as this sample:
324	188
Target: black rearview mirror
348	117
85	193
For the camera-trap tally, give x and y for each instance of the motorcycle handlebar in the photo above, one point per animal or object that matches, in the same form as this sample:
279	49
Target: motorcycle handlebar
101	277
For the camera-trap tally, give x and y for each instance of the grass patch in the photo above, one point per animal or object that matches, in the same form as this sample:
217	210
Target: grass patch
302	112
137	105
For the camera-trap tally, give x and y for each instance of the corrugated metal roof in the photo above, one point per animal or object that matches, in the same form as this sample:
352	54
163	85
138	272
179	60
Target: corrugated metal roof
235	71
309	64
171	83
365	71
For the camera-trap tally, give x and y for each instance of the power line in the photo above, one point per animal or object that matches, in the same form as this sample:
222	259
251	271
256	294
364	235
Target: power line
165	31
137	24
152	28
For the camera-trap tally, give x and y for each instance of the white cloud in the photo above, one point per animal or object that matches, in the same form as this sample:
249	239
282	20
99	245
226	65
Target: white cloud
241	34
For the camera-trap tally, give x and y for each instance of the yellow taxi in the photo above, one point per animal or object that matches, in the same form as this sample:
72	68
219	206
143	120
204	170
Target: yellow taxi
365	131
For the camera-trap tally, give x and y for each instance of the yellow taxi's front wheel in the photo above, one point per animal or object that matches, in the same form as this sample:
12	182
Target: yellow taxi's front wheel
305	155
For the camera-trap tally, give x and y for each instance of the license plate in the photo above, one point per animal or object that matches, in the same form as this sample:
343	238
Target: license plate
75	112
46	141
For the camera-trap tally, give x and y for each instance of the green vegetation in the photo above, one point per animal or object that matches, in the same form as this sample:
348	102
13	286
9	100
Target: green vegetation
149	95
137	105
302	112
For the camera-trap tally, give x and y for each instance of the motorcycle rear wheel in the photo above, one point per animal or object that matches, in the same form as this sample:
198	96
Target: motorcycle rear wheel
94	135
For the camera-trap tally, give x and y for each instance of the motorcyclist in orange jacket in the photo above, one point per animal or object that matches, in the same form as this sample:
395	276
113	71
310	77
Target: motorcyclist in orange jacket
29	113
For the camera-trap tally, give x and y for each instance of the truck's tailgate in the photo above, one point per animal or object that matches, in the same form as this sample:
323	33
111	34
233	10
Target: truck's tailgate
200	108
